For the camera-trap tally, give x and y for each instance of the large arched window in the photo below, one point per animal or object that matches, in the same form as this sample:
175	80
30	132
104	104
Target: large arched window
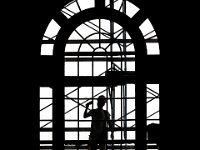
98	47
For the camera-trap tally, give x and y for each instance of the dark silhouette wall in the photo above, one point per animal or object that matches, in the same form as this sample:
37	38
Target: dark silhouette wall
32	20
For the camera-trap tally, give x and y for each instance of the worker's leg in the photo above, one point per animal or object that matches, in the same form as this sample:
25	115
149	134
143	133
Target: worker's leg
102	146
92	146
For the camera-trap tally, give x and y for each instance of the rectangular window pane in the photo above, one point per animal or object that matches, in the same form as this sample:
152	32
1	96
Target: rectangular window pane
153	48
47	49
118	110
45	109
85	124
84	135
131	135
131	108
71	68
131	124
46	116
46	136
153	116
153	101
71	124
46	124
71	136
99	68
45	92
85	68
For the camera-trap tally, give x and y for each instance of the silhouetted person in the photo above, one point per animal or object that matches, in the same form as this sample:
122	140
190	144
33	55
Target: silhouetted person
100	119
153	133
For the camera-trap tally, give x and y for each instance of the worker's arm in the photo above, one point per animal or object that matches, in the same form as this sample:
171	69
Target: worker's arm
112	130
111	127
86	114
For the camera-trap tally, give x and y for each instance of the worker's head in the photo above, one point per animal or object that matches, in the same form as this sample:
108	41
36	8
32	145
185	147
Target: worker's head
101	101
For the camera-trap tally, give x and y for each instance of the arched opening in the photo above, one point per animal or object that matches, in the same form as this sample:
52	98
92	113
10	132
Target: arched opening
99	53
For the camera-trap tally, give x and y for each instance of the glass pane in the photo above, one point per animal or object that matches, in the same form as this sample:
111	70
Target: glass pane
47	49
52	30
68	68
71	136
71	124
45	92
131	135
153	49
46	136
84	135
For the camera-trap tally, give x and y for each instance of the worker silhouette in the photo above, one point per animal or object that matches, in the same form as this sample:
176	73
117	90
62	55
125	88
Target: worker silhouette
100	120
